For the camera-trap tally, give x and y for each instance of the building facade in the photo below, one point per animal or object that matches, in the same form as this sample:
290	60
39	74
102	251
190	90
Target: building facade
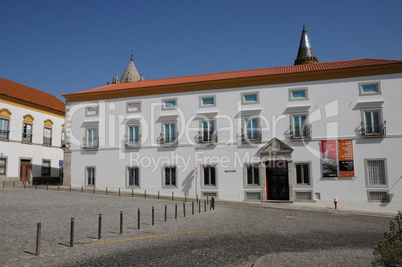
307	133
31	132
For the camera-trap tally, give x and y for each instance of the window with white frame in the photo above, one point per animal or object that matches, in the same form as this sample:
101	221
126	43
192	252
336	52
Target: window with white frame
251	130
133	135
4	128
46	168
170	176
250	98
169	103
302	173
209	173
92	138
3	166
376	172
27	132
207	101
207	131
91	111
253	174
298	94
372	123
369	88
90	176
169	133
299	126
133	107
133	176
47	136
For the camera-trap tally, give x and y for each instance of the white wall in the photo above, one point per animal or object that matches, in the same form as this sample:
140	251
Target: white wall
334	108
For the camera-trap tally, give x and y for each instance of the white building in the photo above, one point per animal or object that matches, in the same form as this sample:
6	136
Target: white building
31	125
306	133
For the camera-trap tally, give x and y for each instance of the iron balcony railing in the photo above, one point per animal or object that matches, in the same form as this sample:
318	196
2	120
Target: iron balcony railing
254	136
170	141
210	138
4	134
26	138
90	144
374	131
301	133
132	143
47	141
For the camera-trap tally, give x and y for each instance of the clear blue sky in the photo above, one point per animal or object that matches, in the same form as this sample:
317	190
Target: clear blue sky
69	46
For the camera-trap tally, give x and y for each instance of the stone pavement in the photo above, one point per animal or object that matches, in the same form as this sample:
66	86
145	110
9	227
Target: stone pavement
235	234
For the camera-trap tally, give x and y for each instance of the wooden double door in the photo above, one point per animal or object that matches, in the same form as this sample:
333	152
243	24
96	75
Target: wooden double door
277	176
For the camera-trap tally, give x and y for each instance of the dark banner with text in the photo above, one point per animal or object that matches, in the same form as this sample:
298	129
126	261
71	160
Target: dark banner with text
345	157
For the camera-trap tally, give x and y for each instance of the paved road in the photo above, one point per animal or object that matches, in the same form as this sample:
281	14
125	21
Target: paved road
234	234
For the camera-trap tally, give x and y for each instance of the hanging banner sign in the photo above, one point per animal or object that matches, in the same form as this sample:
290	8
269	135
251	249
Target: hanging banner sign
345	157
328	158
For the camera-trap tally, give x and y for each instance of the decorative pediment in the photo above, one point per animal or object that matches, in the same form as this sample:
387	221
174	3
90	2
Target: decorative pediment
276	147
48	123
5	113
28	118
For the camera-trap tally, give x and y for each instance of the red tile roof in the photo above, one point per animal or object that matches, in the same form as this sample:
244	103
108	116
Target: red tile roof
28	94
243	74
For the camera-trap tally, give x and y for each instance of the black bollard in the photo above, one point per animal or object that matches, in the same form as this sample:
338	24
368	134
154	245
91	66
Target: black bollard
175	211
139	219
72	233
213	203
121	222
205	206
192	207
153	216
199	206
184	209
172	196
100	227
165	213
145	193
132	192
38	239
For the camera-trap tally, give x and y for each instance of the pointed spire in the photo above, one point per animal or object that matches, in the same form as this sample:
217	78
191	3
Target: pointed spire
305	55
130	74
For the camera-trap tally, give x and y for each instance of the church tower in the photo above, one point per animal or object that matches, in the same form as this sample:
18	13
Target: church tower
305	55
130	74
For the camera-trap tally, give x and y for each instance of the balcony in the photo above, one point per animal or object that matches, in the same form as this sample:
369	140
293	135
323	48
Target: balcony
26	138
131	143
169	142
300	134
210	139
47	141
251	137
4	134
374	131
90	144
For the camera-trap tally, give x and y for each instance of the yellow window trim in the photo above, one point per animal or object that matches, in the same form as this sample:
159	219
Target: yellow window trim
5	113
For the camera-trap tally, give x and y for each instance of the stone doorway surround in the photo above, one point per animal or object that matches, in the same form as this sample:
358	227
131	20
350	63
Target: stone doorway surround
276	150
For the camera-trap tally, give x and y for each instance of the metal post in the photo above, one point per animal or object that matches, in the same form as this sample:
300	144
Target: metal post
119	191
165	213
153	216
172	196
184	209
139	219
158	194
197	197
145	193
38	239
100	227
121	222
72	233
132	192
199	206
205	206
175	211
213	203
192	207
